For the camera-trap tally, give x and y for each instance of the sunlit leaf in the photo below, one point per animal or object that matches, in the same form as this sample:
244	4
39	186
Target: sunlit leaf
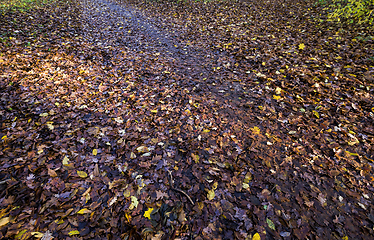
255	130
82	174
276	97
94	152
301	46
37	234
256	237
84	211
4	221
147	213
211	194
65	161
134	202
74	232
315	113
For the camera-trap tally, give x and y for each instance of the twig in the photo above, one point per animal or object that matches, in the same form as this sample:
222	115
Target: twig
177	189
5	181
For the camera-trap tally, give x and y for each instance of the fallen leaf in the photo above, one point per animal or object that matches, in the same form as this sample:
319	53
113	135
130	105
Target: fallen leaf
52	173
301	46
84	211
65	161
4	221
147	213
255	130
82	174
74	232
270	224
211	194
256	237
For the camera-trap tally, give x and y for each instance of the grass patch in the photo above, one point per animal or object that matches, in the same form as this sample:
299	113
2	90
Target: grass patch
22	5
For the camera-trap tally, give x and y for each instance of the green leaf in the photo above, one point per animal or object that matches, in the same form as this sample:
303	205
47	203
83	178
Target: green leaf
19	235
270	223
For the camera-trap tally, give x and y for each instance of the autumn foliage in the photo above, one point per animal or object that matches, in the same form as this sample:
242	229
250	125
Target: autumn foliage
184	120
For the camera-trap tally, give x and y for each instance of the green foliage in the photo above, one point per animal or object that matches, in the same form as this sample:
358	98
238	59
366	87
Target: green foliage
352	11
21	5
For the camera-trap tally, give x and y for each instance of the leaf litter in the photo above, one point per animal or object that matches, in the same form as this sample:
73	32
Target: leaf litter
202	120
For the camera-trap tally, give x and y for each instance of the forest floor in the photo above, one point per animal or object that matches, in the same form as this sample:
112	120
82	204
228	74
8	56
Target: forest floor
186	120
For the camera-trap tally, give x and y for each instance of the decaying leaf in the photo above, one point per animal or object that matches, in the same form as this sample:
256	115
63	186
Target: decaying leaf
4	221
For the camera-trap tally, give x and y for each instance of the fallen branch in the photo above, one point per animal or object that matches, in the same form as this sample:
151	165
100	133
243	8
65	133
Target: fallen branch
177	189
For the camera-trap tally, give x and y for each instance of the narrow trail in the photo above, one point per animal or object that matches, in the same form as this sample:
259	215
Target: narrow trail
117	126
111	24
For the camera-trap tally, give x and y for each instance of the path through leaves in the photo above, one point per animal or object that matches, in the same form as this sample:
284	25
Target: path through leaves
189	120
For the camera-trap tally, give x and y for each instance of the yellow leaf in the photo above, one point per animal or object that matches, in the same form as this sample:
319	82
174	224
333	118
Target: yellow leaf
154	111
256	237
278	90
37	234
345	238
50	125
147	213
301	46
4	137
134	203
276	97
43	115
94	152
255	130
4	221
82	174
132	155
211	194
206	130
65	161
142	149
75	232
84	211
316	114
